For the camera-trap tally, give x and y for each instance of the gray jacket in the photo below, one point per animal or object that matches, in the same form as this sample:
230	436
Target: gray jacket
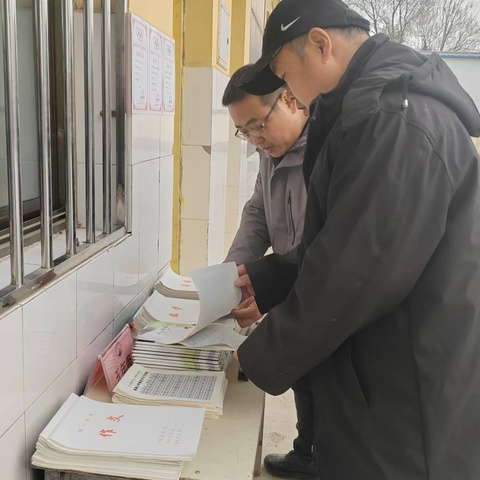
274	216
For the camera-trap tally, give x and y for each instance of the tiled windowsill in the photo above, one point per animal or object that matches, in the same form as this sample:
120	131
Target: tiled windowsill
32	256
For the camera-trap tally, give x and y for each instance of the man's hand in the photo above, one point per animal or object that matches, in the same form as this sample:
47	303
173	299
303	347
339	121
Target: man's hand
244	283
247	313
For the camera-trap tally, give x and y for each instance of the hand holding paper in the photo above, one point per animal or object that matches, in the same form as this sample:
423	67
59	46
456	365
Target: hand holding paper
247	312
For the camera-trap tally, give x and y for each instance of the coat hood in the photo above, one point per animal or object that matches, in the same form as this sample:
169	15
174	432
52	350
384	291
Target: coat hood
392	66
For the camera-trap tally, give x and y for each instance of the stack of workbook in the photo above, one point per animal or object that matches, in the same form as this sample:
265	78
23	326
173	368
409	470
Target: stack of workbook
195	323
187	334
182	345
130	441
177	357
150	386
173	285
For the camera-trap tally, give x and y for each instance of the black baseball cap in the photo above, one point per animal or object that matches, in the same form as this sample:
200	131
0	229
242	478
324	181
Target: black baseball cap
291	19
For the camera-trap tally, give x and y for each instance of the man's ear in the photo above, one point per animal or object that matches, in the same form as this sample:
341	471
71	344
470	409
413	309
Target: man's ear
290	100
320	40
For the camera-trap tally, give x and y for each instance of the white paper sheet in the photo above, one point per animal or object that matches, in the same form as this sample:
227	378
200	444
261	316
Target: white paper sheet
174	310
177	282
216	290
215	335
144	383
218	295
111	429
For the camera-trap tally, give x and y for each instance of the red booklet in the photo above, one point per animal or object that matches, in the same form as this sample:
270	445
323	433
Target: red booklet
113	362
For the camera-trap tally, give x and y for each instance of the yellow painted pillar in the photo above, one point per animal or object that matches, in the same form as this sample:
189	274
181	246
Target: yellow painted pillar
158	13
178	29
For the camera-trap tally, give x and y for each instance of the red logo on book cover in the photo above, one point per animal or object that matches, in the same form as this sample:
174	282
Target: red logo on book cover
115	419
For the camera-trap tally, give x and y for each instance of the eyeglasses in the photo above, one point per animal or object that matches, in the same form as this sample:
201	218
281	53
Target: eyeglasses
257	132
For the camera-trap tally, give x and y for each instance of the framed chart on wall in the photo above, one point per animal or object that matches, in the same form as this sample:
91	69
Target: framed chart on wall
152	55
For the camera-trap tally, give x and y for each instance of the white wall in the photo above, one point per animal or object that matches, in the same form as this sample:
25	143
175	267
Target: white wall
50	341
205	137
467	70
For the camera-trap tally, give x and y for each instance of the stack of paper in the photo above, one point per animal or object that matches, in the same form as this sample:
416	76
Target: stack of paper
174	285
178	357
195	323
182	345
131	441
149	386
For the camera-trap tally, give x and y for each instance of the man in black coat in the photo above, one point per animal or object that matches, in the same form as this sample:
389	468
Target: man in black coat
380	311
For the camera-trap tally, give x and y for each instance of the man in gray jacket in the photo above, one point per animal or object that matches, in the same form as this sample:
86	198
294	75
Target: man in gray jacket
273	217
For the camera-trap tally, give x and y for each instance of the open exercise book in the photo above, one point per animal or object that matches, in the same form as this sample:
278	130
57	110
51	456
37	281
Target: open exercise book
151	386
133	441
195	323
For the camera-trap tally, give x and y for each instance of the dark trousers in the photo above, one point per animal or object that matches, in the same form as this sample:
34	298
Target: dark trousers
303	444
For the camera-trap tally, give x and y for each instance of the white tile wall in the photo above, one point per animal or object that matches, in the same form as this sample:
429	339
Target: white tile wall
86	360
197	106
148	174
134	203
218	181
165	222
49	336
196	168
145	138
94	298
125	278
66	325
167	126
206	128
12	402
45	407
13	456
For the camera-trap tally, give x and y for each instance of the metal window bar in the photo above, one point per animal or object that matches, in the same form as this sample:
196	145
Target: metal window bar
9	24
20	289
106	118
44	140
88	39
69	130
122	219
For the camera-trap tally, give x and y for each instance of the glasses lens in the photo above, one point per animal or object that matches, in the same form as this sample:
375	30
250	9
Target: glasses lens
241	135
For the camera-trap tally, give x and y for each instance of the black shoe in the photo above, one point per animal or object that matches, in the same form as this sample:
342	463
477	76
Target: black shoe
289	466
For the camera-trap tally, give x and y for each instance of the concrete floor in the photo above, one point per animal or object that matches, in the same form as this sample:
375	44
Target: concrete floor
279	427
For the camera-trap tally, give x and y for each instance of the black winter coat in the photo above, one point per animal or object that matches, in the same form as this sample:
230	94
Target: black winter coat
384	314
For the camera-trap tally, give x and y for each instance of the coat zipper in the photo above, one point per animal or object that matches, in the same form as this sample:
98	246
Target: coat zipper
291	215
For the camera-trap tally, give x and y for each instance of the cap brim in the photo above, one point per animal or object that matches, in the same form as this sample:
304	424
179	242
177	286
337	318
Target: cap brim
262	80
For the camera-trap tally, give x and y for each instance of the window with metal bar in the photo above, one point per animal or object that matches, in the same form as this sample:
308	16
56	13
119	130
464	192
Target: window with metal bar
43	150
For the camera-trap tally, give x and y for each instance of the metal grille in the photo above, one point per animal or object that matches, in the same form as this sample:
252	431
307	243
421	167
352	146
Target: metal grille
53	20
